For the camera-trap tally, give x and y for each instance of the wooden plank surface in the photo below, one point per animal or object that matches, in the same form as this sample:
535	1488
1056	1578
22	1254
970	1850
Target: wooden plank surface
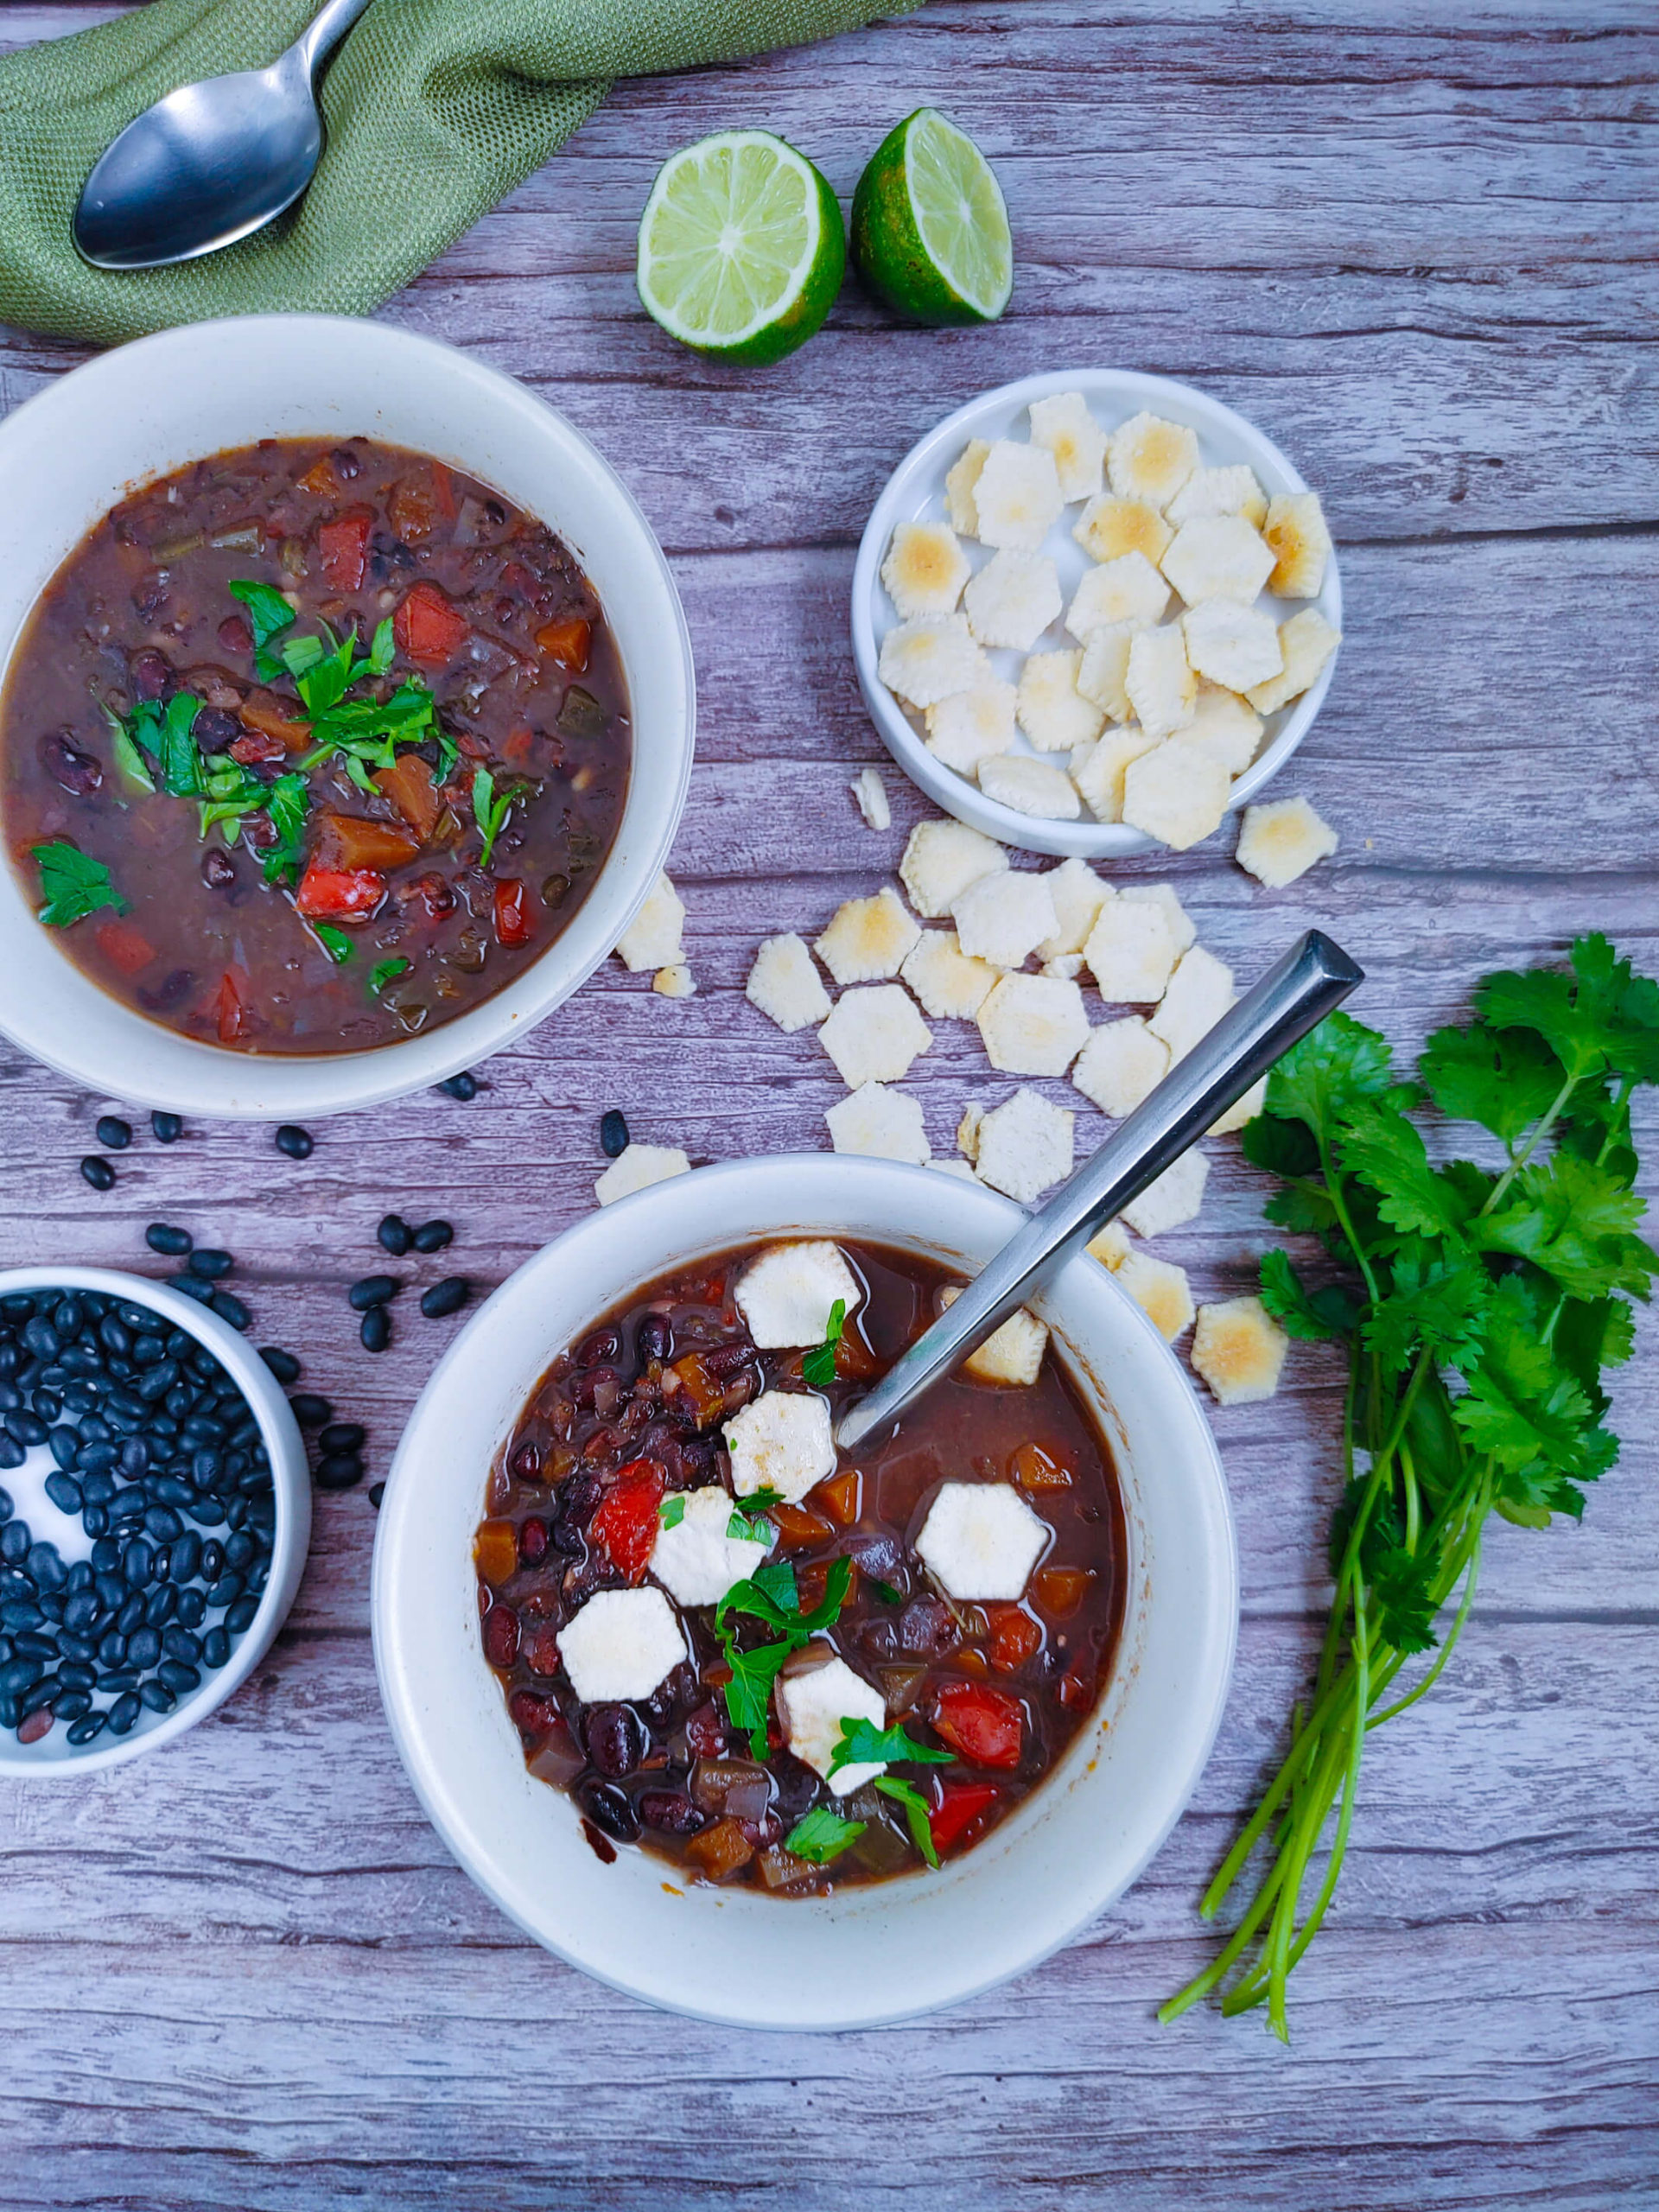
245	1973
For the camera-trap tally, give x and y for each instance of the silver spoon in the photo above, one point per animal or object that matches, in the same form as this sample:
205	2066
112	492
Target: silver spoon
1311	979
212	161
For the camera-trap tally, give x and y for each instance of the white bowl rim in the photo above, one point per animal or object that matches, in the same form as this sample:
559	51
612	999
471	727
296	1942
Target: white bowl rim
793	1173
953	792
290	1538
315	1085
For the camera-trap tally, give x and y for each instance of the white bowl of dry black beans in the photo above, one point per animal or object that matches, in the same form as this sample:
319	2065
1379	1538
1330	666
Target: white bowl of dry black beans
702	1854
347	713
154	1514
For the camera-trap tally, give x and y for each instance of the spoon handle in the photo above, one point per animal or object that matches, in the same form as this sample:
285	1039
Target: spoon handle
324	32
1311	979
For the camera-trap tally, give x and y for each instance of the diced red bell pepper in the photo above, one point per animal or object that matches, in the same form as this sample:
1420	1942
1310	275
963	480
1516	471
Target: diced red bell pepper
985	1726
255	748
340	894
125	945
963	1804
231	1005
343	548
428	630
513	923
625	1520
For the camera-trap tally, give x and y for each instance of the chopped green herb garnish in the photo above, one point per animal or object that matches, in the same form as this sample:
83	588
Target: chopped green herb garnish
1479	1312
387	971
818	1367
129	754
72	884
287	802
863	1744
916	1812
178	752
749	1525
771	1595
822	1835
489	811
672	1511
268	614
886	1593
334	942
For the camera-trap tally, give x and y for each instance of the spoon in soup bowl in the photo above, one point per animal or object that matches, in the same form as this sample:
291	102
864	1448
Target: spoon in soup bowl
1307	983
212	161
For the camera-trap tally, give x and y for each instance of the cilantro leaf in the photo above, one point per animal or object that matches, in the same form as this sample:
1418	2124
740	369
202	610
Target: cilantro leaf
822	1835
1505	1079
179	754
287	801
1576	1221
1334	1069
125	747
671	1510
818	1367
1400	1589
489	811
334	942
387	971
268	614
72	884
916	1813
1330	1313
1382	1148
863	1744
1438	1301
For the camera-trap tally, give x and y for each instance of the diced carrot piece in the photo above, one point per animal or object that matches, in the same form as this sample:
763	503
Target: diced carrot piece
839	1497
428	631
962	1804
1060	1590
352	841
625	1520
231	1005
514	924
274	717
566	640
985	1725
1014	1637
332	895
1034	1468
320	479
343	548
408	785
124	946
495	1552
721	1850
706	1392
795	1527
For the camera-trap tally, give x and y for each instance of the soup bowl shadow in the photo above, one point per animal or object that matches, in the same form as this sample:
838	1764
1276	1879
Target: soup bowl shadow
869	1954
71	452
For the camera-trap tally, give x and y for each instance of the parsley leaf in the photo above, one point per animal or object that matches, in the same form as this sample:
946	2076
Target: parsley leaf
180	755
916	1813
287	802
863	1744
1330	1313
771	1595
128	752
489	811
72	884
671	1510
748	1693
268	614
387	971
822	1835
818	1367
334	942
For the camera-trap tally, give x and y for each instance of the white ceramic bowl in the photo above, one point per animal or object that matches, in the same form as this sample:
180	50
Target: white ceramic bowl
69	454
915	493
54	1758
868	1954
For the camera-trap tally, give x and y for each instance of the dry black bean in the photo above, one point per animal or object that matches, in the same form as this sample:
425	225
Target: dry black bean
167	1128
97	1171
376	1331
463	1086
296	1142
613	1133
445	1297
210	1263
394	1233
433	1235
371	1290
377	1491
156	1695
339	1471
230	1309
342	1436
283	1364
113	1133
89	1726
161	1236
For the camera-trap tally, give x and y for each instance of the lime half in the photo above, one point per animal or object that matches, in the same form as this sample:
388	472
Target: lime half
930	225
741	251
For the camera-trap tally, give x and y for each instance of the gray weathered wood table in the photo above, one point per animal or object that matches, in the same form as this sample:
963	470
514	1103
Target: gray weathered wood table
245	1973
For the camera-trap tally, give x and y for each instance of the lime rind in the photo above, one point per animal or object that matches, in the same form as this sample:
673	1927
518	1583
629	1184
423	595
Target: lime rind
741	251
930	230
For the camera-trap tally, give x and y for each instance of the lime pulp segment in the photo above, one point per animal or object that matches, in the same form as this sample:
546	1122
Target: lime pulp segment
961	216
730	237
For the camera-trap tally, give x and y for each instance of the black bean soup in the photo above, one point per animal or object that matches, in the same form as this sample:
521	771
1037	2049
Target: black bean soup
157	1453
714	1732
309	749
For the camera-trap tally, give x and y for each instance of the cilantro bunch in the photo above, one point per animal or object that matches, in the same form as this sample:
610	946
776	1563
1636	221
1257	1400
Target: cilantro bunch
1478	1306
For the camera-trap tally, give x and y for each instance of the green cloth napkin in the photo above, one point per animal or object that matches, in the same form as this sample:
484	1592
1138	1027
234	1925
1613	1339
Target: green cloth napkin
434	108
